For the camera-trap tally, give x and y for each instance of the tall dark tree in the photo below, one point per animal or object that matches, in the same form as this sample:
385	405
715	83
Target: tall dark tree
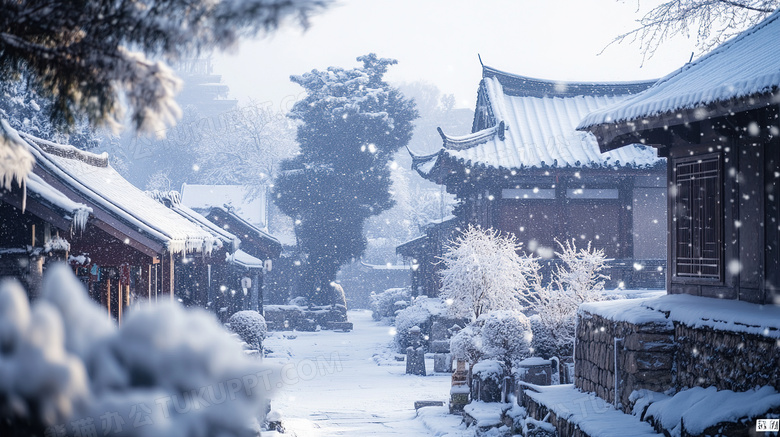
352	123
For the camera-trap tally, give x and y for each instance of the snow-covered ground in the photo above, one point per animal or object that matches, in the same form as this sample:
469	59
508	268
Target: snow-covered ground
349	383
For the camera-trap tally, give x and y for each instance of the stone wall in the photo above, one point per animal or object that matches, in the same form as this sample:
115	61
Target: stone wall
726	360
645	358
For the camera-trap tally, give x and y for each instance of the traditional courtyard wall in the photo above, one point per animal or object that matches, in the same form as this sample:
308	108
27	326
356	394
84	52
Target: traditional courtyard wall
639	341
675	342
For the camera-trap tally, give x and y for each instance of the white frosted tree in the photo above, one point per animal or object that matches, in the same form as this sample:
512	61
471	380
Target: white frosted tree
577	279
710	21
259	138
484	273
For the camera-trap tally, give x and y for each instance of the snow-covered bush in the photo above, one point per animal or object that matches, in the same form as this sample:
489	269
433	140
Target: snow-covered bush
419	314
576	280
484	273
65	367
489	370
506	336
250	326
466	344
543	342
499	335
383	305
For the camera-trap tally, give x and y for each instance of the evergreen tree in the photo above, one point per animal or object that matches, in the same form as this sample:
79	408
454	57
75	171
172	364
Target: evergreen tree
90	57
352	124
26	111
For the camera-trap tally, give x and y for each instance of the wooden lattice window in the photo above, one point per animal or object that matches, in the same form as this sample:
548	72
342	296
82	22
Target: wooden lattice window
699	218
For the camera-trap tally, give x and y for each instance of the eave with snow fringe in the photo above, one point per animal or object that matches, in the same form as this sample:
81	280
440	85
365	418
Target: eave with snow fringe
90	177
740	75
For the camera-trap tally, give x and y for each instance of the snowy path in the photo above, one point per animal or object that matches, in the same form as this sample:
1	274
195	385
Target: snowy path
339	384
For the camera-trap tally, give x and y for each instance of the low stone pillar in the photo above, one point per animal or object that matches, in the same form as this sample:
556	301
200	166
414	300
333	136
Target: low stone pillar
459	392
442	363
442	359
415	354
415	361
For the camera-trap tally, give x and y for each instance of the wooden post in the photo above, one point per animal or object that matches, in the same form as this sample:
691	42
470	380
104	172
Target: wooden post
119	301
167	274
108	295
144	287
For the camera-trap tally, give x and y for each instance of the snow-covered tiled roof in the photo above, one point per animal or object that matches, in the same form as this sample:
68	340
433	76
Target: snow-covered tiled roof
244	259
532	125
91	176
172	199
746	65
251	208
78	213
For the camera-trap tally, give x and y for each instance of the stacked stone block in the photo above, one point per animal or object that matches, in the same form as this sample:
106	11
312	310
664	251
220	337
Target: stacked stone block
726	360
644	354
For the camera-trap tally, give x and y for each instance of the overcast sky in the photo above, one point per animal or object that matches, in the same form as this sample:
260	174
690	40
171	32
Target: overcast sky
438	41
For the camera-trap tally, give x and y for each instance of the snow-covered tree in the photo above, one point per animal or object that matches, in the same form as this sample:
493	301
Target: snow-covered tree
352	124
91	59
483	272
506	336
259	139
466	344
385	304
711	21
577	279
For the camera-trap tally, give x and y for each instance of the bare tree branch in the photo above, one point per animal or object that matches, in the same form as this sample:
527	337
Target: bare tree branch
711	21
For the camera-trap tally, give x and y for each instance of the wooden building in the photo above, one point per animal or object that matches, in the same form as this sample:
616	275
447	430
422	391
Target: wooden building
525	170
258	253
716	121
122	243
713	338
424	254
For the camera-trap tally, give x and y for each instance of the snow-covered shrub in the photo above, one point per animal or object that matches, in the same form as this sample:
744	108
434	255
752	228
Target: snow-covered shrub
484	273
419	314
384	304
65	366
542	343
489	370
506	336
466	344
250	326
576	280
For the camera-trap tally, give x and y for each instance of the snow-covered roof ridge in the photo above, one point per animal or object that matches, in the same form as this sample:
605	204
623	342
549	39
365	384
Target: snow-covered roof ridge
463	142
95	181
532	124
172	200
244	259
68	151
743	66
515	84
